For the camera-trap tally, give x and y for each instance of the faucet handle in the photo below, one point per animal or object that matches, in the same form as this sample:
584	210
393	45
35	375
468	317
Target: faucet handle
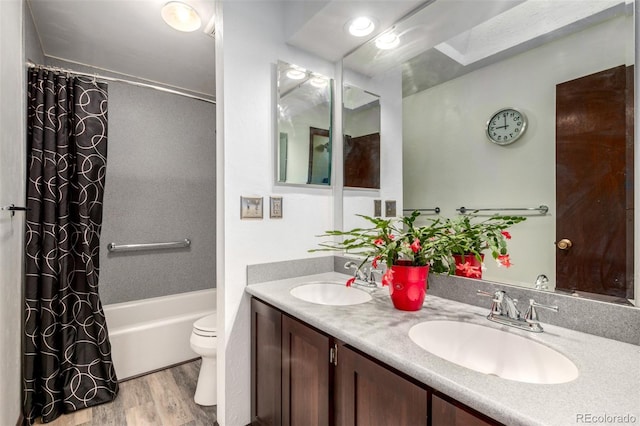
531	316
496	301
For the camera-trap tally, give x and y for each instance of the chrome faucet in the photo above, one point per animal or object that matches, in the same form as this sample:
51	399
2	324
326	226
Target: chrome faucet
541	282
363	278
504	310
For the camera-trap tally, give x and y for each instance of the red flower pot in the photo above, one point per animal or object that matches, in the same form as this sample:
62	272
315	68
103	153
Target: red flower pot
408	286
468	266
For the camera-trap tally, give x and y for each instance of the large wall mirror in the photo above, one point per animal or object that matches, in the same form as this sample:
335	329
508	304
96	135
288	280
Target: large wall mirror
303	140
568	66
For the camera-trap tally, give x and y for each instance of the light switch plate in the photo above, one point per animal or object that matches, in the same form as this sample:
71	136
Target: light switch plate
250	207
275	210
390	208
377	208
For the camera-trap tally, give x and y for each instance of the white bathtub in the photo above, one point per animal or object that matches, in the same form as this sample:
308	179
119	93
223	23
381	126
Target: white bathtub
151	334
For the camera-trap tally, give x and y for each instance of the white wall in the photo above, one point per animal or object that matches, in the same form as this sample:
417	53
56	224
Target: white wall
249	42
12	190
360	201
450	163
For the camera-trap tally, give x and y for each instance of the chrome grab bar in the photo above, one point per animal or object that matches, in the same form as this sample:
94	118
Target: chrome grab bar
113	247
542	209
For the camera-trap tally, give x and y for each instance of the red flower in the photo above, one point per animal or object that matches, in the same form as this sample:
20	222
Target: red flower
379	242
504	260
506	234
469	271
387	278
391	237
350	281
374	262
415	246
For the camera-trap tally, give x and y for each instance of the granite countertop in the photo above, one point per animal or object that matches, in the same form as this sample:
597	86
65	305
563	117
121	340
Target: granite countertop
609	370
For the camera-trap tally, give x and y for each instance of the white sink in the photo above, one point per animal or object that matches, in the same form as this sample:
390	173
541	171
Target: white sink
330	293
492	351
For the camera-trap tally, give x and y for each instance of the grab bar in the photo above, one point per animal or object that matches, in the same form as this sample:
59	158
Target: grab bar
113	247
436	210
542	209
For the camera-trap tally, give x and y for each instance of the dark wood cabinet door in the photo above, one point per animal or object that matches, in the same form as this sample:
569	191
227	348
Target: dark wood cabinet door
305	375
369	394
444	413
266	364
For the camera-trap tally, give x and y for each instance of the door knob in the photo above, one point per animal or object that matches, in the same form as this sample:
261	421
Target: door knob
564	244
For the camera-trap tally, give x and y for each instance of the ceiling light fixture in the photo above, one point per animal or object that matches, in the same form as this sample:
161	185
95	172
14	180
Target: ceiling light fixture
318	82
181	16
361	26
295	73
388	41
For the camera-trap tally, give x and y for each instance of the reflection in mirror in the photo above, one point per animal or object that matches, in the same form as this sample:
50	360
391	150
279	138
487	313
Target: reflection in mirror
361	117
546	59
303	138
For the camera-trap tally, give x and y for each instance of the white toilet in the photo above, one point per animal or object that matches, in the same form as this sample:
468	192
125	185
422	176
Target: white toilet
204	342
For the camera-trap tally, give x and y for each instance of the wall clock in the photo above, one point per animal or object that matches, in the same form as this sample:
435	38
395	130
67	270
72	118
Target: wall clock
506	126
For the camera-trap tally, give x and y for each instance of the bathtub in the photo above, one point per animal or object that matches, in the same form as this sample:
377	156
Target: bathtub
150	334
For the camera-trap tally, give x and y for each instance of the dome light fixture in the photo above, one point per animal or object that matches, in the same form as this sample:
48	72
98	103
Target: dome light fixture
296	73
388	41
361	26
318	81
181	16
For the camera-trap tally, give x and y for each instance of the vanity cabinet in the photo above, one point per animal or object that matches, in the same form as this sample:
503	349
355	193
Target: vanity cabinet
302	376
369	394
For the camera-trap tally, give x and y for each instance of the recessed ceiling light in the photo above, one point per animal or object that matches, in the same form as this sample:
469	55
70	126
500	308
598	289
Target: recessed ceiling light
361	26
181	16
318	81
387	41
296	73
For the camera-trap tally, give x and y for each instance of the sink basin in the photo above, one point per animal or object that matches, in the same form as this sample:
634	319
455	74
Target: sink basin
330	293
492	351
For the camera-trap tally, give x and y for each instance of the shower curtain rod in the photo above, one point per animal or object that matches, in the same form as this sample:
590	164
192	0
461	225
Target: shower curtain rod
120	80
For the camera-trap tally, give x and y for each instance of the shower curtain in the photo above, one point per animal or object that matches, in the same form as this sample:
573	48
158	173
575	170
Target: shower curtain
66	353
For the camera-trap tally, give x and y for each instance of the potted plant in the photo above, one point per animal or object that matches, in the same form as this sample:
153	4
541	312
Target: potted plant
467	240
407	251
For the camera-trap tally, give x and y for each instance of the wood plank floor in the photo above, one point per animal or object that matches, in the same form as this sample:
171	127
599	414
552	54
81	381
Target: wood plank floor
163	398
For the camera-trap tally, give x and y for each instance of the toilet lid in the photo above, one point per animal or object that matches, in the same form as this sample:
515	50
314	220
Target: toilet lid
207	324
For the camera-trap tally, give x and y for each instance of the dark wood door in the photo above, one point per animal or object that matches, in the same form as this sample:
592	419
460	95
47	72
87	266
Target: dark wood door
305	375
369	394
266	366
445	413
362	161
594	183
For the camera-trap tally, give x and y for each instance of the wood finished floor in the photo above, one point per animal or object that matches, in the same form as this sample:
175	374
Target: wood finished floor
163	398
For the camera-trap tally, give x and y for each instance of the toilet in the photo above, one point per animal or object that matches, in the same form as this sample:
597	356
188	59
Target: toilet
204	343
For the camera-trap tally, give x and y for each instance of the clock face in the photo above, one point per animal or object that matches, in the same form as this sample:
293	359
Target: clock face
506	126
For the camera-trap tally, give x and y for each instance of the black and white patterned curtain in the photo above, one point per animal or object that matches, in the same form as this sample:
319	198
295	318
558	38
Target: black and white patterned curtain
67	354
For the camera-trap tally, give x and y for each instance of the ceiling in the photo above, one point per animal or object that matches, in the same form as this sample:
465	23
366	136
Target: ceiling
128	37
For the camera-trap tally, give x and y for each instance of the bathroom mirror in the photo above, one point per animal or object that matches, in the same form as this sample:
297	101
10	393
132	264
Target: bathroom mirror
462	61
361	125
303	139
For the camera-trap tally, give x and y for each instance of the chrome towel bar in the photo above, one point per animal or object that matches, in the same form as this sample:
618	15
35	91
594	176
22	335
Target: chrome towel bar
542	209
436	210
113	247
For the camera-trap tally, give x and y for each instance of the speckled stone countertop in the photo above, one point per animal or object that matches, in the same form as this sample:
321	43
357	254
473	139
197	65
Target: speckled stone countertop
608	384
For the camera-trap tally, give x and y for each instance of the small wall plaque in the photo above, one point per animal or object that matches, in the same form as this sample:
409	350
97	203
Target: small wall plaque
250	207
